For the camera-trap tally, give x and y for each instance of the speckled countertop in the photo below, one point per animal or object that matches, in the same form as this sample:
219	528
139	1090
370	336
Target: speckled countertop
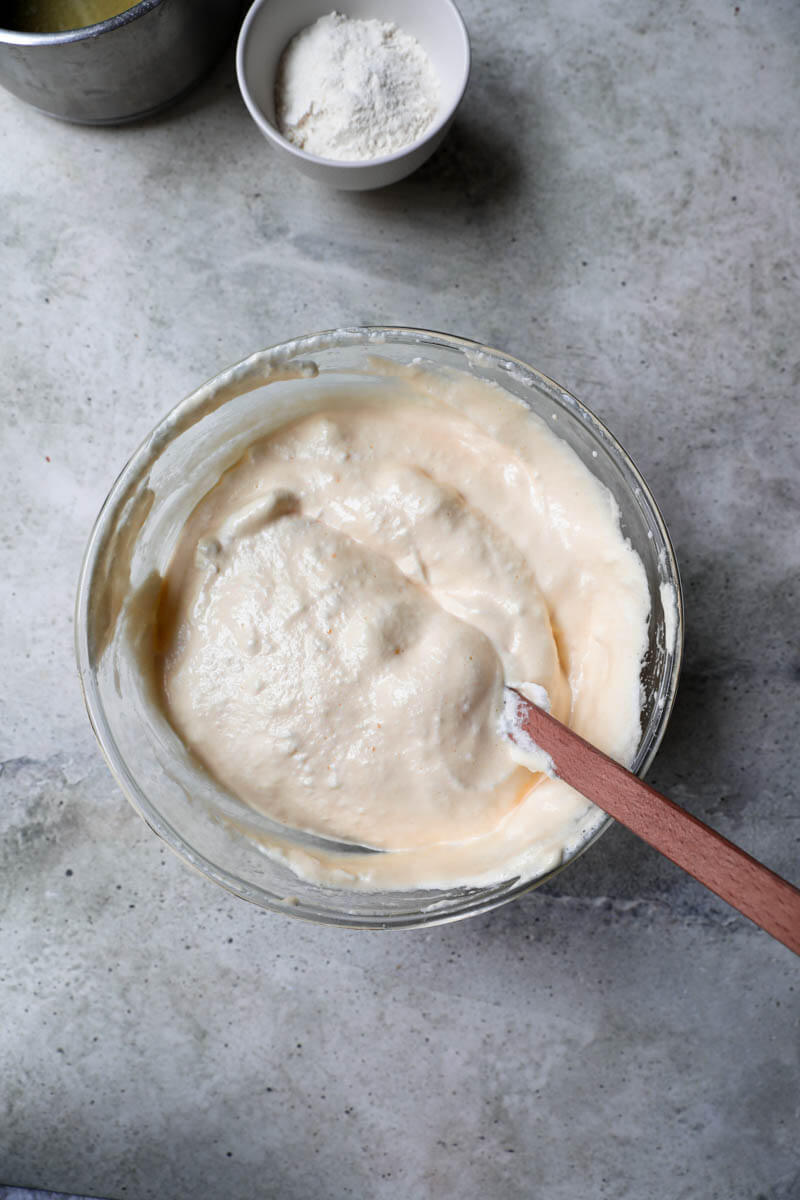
618	204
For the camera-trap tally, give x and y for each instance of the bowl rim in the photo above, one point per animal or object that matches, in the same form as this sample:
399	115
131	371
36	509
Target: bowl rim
273	134
484	898
19	37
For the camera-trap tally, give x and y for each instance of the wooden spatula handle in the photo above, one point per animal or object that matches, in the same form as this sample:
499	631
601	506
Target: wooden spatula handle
741	880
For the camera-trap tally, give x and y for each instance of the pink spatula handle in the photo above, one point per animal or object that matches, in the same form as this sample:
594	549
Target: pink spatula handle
739	879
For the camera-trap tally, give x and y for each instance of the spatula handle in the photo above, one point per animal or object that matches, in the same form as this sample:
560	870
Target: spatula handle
739	879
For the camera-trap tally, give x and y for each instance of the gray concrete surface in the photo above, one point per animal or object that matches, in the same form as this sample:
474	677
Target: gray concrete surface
618	203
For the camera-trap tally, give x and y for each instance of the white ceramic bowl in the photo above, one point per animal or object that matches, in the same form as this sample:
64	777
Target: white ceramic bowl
271	24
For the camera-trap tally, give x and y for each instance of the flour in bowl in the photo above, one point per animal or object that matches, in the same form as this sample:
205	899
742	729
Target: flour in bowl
354	90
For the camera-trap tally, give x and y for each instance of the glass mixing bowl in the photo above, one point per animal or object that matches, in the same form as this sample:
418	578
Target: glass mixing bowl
131	546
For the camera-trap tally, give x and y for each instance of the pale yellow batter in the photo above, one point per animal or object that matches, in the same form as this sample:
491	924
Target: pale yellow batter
344	608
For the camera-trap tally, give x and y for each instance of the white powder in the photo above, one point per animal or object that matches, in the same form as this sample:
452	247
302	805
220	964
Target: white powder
353	90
